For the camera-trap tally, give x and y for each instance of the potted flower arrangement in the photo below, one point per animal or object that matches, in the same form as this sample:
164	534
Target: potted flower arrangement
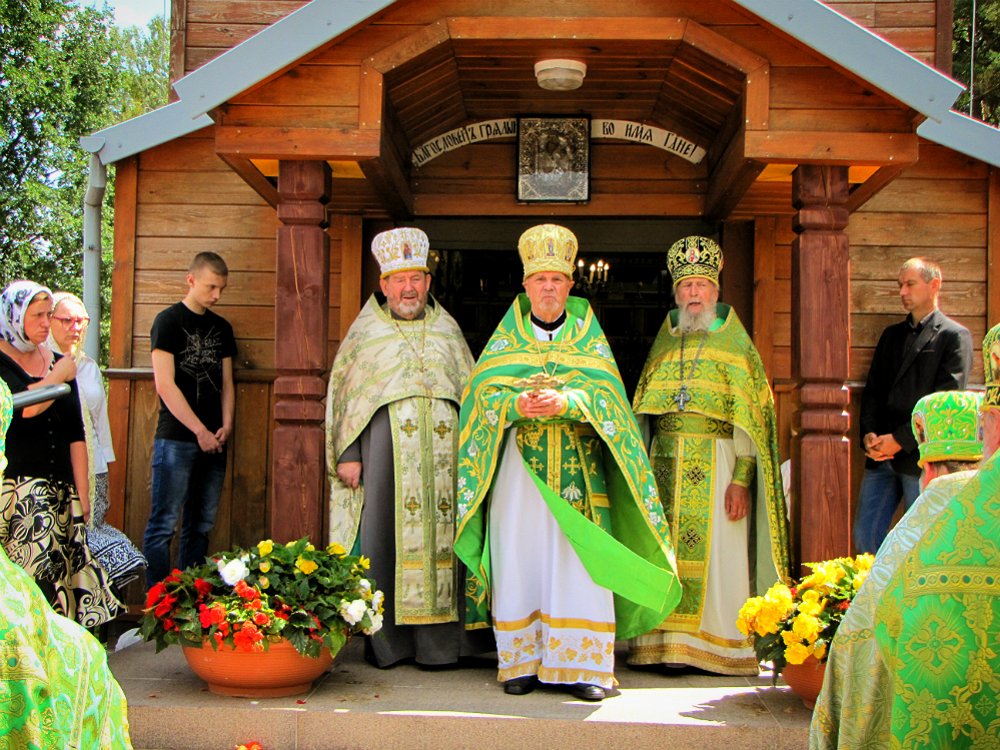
795	624
272	597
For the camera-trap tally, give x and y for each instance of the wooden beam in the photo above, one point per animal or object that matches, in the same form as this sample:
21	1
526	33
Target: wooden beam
371	98
732	177
178	44
122	329
862	193
409	47
385	174
832	148
993	250
944	11
555	28
311	144
351	253
252	177
715	45
764	290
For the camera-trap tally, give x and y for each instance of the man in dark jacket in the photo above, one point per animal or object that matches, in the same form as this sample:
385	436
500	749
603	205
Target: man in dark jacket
926	353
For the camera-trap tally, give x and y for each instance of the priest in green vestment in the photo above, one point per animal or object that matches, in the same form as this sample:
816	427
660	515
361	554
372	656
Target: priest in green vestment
559	521
852	710
714	451
392	429
937	625
56	690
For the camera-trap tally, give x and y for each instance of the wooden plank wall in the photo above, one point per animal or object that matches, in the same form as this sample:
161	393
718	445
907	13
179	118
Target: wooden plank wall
187	200
210	27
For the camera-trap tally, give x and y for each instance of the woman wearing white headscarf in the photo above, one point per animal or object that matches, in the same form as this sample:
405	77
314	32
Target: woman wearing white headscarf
116	553
44	501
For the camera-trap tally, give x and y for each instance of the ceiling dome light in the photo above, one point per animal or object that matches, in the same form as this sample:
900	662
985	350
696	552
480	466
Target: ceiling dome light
560	75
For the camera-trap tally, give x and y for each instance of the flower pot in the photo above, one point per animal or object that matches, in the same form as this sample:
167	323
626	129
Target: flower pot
805	679
280	671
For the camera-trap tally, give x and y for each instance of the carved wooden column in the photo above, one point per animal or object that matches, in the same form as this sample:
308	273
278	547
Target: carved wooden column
820	352
301	313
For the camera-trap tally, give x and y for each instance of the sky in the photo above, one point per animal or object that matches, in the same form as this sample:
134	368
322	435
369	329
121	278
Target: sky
134	12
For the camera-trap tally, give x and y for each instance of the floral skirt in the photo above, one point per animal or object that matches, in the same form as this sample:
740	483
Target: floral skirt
42	530
115	551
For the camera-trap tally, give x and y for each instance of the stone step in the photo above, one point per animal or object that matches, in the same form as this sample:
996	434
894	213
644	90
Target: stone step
356	706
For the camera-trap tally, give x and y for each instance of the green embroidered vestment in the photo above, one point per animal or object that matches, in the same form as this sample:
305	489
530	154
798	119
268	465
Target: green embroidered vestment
616	525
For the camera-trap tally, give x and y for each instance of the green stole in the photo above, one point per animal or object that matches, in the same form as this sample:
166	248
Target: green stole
728	385
936	625
417	369
624	545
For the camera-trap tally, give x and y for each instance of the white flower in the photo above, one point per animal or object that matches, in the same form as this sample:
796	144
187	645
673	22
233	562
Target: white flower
609	428
364	585
491	417
353	612
234	571
461	482
473	450
377	599
376	624
467	494
603	350
463	508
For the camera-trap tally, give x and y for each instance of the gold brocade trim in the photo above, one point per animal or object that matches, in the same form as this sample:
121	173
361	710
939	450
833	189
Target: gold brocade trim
680	653
554	622
955	579
559	676
695	425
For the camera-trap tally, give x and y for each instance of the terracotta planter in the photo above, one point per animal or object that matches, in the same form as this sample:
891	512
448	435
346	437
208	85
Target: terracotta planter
278	672
805	679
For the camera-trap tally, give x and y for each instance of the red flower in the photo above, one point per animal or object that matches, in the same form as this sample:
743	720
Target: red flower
203	587
254	604
224	628
169	624
155	594
217	635
246	592
209	616
249	638
843	606
261	619
174	577
165	605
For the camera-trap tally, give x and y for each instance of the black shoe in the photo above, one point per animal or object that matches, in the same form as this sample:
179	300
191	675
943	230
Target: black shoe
586	692
520	685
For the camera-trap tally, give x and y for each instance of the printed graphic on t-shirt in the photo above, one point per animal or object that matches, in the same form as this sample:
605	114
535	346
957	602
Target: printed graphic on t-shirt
201	355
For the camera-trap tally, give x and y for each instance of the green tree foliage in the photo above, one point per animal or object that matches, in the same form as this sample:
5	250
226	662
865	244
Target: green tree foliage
65	71
985	88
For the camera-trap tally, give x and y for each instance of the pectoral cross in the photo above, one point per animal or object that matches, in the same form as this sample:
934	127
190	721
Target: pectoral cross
682	397
539	381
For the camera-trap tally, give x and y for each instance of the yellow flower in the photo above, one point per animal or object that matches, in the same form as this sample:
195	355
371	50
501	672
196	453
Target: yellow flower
364	562
796	653
806	627
263	582
306	566
790	637
265	547
748	614
864	562
336	549
811	603
264	566
309	547
819	650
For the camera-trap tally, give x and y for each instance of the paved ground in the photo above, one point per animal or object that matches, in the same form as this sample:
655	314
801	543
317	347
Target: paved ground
355	705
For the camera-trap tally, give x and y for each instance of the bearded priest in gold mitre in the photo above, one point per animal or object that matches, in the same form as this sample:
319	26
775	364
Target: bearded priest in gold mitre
714	451
391	434
937	625
853	707
559	521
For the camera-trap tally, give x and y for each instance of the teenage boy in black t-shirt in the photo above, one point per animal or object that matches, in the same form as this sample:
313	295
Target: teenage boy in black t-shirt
192	352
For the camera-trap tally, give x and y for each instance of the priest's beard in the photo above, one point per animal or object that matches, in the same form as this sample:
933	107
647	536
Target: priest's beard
690	322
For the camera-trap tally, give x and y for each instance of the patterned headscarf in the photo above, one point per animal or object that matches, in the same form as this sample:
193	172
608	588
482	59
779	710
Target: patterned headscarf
57	299
13	304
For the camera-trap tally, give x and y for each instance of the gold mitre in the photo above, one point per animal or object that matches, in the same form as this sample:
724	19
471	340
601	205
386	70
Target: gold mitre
694	256
401	249
547	247
991	367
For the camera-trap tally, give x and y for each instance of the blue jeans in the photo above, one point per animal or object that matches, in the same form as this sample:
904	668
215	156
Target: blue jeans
185	479
880	493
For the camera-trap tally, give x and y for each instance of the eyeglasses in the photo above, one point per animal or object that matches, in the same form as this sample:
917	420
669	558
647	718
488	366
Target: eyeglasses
72	322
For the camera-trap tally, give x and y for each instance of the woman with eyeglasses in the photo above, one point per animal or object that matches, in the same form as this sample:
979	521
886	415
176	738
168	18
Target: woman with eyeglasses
116	553
44	502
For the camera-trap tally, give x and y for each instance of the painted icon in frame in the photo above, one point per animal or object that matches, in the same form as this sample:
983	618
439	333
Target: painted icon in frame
553	159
